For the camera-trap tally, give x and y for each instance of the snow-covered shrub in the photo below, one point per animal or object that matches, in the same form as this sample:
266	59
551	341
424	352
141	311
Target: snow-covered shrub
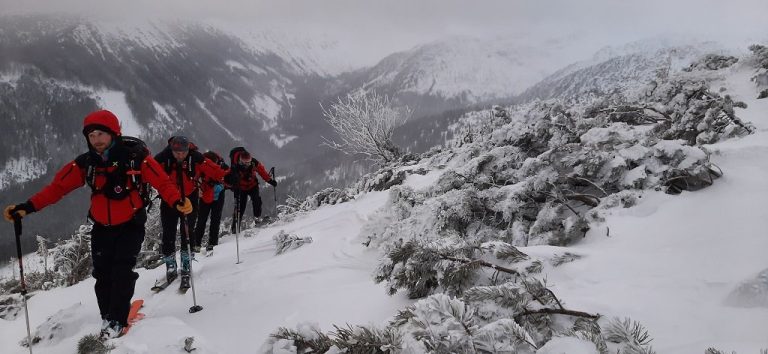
72	257
750	293
533	318
630	336
285	242
328	196
382	180
712	62
10	307
93	344
760	56
150	255
307	338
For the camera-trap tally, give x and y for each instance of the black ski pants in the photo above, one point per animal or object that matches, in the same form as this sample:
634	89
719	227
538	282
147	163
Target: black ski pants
214	209
169	218
241	197
114	250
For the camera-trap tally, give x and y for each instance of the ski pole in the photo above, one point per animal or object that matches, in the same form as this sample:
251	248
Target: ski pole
237	220
195	307
274	188
17	231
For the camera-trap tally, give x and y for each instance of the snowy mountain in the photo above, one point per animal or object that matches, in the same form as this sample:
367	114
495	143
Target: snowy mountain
462	71
624	69
512	238
160	79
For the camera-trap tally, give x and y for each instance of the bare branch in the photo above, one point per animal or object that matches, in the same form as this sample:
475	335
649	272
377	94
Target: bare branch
365	124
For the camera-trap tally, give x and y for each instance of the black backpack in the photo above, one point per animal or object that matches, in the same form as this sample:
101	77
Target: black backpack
193	158
232	154
131	152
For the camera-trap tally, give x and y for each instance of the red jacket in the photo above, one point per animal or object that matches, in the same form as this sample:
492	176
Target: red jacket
247	174
195	162
207	185
103	210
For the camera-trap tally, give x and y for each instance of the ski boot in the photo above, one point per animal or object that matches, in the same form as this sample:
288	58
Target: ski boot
113	330
185	283
185	262
171	271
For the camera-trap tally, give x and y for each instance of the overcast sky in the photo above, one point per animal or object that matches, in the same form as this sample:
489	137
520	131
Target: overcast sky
389	25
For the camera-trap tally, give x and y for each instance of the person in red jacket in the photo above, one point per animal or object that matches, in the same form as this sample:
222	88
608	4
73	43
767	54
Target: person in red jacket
246	168
185	165
115	175
211	202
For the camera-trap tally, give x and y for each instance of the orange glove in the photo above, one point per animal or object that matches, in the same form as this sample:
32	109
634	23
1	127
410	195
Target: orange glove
184	206
20	210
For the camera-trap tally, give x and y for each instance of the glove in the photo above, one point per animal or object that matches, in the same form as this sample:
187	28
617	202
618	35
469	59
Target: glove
231	178
20	210
184	206
217	189
272	182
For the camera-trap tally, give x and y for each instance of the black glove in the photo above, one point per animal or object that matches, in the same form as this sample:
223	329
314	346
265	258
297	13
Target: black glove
231	178
272	182
21	210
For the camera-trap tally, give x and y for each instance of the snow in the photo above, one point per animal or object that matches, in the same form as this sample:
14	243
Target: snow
20	170
568	346
327	281
217	121
474	70
671	261
10	78
282	139
267	106
115	102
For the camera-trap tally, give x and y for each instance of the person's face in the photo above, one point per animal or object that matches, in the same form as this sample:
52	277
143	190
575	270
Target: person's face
100	140
245	161
180	155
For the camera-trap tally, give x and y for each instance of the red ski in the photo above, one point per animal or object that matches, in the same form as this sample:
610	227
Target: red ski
133	315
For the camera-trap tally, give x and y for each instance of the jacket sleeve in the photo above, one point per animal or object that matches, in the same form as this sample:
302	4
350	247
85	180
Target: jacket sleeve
69	178
153	173
211	170
263	172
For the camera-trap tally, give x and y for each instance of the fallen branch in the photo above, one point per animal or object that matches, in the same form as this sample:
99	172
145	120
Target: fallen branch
480	262
550	311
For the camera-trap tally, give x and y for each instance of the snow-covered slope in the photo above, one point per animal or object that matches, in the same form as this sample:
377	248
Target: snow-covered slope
326	282
673	263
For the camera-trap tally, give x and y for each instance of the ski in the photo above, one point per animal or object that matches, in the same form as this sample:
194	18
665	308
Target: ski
133	315
161	284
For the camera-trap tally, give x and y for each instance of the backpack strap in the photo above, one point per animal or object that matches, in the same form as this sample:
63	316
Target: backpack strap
85	162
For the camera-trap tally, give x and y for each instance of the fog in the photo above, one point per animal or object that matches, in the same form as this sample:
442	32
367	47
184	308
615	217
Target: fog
378	28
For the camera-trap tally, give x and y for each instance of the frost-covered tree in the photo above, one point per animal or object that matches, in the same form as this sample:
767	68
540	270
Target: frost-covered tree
72	257
760	56
365	124
42	251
